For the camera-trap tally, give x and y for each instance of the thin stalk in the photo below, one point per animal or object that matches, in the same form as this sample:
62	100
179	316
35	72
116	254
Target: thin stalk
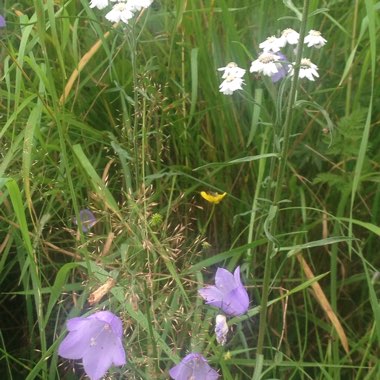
255	201
135	132
353	43
280	180
204	228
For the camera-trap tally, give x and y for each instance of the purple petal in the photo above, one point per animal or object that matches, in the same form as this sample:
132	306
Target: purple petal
87	220
229	294
211	374
282	67
192	356
77	342
104	350
236	302
95	365
281	73
110	318
237	277
212	295
224	280
97	340
181	372
77	323
2	22
193	366
118	354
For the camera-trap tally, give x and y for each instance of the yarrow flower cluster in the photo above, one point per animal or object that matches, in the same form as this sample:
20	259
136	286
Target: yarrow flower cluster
97	341
122	10
307	69
232	78
272	62
314	39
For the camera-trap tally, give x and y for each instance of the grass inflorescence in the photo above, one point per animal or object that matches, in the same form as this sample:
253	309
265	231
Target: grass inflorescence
127	179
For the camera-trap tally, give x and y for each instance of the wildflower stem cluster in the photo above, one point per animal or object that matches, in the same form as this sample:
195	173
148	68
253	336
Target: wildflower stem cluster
280	179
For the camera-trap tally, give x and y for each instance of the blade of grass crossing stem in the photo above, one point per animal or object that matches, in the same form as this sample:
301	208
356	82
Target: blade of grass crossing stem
55	112
255	201
31	125
98	185
82	64
50	6
368	226
11	153
373	299
194	84
255	114
56	289
22	49
256	310
13	115
18	207
171	267
258	367
371	14
143	322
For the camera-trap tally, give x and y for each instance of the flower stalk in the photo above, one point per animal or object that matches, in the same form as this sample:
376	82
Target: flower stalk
280	180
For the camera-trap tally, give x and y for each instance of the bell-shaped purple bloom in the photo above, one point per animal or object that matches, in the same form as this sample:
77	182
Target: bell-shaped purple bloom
228	294
87	219
2	22
282	67
193	366
97	341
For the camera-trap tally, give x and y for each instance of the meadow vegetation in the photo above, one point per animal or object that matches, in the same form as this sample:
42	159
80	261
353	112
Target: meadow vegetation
127	121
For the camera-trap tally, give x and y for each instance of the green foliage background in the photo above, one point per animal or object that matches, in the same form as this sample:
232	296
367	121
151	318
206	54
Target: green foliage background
142	131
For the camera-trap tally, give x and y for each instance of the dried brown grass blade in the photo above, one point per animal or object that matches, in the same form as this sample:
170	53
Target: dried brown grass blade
101	291
322	300
82	63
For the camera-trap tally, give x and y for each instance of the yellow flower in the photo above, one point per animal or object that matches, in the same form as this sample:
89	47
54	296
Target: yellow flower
214	198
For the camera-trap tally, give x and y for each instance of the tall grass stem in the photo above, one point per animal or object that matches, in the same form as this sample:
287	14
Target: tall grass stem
280	180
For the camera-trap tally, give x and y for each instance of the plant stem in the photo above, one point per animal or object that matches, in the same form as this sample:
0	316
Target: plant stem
280	180
353	43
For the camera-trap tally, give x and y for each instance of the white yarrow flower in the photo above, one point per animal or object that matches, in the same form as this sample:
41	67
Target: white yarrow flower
120	12
232	69
100	4
137	5
231	84
289	36
267	64
307	69
271	44
221	329
315	39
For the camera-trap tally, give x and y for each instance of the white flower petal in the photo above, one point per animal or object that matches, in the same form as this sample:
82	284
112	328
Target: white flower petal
314	39
100	4
120	12
271	44
232	69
